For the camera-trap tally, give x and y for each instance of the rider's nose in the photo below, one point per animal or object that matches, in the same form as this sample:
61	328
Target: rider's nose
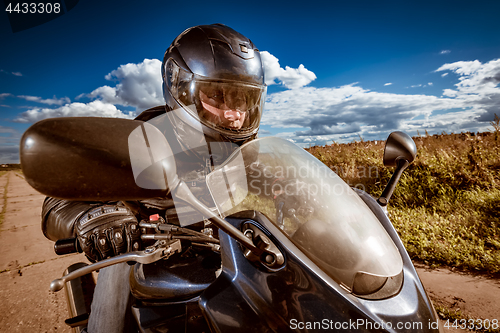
232	115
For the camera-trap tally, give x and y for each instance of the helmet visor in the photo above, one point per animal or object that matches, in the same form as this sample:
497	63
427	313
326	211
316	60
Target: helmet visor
229	106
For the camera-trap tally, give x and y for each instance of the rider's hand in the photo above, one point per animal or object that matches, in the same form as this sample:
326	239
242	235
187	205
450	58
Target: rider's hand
106	231
293	199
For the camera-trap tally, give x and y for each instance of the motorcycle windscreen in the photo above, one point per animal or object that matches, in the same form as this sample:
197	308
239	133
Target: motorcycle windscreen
315	208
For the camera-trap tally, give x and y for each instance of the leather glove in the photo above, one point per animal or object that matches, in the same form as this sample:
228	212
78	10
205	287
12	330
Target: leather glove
106	231
293	200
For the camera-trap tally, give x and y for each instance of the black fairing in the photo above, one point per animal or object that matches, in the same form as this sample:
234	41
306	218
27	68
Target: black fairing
176	279
246	298
170	318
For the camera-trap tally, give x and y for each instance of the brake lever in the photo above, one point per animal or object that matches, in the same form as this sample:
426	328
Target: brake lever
162	249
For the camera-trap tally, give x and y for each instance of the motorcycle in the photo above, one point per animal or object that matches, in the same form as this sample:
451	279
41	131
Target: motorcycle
284	244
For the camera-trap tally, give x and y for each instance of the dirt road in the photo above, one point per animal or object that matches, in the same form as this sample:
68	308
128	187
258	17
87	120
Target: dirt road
28	264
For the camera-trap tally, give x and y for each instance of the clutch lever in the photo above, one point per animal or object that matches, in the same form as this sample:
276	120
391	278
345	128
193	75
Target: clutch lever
162	249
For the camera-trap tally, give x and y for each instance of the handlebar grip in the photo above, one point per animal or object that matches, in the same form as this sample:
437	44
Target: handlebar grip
66	246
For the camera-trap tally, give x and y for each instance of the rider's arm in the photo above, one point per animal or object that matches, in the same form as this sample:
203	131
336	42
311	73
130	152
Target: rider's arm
103	229
59	217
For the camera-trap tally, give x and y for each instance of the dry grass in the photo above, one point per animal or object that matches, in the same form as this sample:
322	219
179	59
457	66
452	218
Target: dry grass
446	206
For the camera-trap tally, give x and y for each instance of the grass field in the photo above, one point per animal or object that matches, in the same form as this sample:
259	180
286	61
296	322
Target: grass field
446	206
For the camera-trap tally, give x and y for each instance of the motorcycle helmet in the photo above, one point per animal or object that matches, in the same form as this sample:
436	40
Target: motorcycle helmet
213	78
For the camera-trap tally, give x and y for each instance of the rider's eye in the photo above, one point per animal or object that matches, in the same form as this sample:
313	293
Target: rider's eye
215	95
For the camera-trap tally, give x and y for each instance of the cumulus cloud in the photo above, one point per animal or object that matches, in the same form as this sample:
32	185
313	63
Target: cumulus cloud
309	115
49	101
9	154
8	130
291	78
462	67
445	52
388	84
9	145
346	110
343	113
477	87
138	85
318	115
95	108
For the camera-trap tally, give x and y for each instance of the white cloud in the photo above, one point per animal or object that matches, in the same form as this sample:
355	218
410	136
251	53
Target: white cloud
93	109
462	67
291	78
342	113
388	84
445	52
9	154
314	115
346	109
444	74
139	85
9	130
9	145
3	95
49	101
477	87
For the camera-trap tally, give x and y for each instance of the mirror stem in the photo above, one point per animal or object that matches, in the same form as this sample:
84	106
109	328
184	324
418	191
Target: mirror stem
183	192
386	195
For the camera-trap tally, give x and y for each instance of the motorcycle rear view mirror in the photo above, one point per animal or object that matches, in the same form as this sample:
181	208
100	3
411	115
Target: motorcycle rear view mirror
96	159
110	159
400	151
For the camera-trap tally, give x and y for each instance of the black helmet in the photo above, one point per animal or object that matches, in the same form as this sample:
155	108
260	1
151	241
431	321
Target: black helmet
213	76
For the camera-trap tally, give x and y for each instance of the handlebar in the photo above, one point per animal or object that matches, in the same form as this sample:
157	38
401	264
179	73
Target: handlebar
67	246
160	250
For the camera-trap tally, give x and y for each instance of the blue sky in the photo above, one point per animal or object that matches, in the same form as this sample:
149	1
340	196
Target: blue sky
336	70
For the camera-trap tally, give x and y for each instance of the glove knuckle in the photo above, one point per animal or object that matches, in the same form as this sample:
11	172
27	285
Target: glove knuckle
103	231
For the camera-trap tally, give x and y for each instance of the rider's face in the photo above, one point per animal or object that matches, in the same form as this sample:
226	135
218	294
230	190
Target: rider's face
226	107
